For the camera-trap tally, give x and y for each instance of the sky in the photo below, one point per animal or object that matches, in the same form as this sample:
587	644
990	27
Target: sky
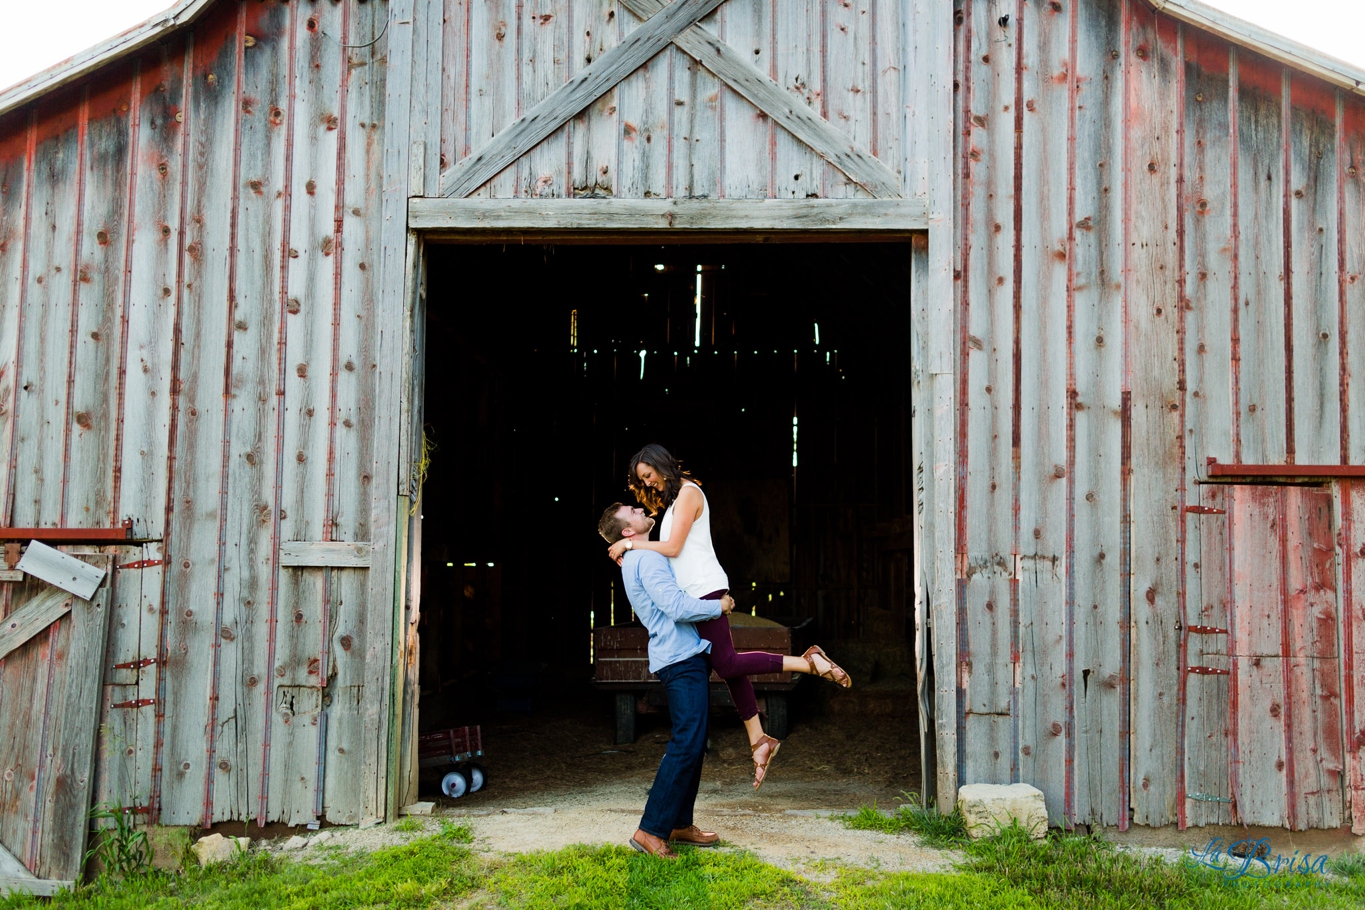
39	33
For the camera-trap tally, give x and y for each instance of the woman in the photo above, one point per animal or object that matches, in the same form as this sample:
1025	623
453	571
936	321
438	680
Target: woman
659	482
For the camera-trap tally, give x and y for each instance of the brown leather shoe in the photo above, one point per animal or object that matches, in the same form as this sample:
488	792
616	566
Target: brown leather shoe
694	837
647	843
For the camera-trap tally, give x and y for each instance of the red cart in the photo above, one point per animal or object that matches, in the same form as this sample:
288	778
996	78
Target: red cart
458	747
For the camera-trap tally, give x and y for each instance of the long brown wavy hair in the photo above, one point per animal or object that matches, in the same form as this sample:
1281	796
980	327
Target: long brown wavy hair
667	467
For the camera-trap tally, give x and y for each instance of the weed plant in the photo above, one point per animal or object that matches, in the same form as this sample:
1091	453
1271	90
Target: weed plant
933	828
122	850
1351	866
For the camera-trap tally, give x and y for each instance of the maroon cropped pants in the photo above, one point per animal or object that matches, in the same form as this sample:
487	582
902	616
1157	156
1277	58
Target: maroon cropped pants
733	666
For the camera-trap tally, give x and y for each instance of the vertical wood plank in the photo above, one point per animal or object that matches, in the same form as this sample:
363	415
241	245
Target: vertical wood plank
986	361
544	64
888	103
1208	748
1153	67
746	136
14	193
795	65
643	99
193	522
250	435
1313	649
595	131
309	308
1351	174
44	355
1041	431
1260	202
153	263
1258	673
1352	649
455	82
1097	264
492	81
100	275
697	141
364	470
75	687
24	695
120	730
1313	227
848	82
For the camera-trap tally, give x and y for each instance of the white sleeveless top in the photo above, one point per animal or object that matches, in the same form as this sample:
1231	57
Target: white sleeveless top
696	567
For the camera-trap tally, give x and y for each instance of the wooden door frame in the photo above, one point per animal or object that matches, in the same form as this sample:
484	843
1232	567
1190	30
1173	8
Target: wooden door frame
592	222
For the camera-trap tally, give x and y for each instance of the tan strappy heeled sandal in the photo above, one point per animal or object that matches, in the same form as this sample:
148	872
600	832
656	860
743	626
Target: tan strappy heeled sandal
835	673
761	769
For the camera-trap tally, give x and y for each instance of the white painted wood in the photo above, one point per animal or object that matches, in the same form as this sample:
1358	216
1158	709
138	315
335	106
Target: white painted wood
32	618
337	554
668	215
57	568
580	91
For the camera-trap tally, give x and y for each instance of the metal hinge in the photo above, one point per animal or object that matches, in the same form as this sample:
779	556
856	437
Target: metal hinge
1205	510
1206	798
1206	630
135	703
135	664
142	564
1208	671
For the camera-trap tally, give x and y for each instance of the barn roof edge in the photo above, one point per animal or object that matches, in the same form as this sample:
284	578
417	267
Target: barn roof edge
1265	42
181	13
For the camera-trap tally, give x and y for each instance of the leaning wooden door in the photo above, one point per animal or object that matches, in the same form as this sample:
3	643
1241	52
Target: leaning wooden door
52	654
1263	707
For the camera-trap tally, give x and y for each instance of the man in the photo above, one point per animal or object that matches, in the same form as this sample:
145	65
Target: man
677	657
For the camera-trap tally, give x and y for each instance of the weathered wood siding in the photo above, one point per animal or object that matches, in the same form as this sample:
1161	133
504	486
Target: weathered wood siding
673	127
189	252
1160	261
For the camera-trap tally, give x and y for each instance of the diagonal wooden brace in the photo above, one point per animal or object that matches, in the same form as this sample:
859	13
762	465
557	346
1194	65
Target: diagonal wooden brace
35	616
600	77
790	113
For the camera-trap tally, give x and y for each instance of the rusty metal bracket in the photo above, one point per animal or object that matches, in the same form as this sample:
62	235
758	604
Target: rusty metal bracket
135	703
135	665
1206	630
70	535
142	564
1206	798
1205	510
1208	671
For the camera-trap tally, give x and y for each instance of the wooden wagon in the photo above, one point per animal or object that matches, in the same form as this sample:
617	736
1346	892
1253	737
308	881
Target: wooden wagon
621	665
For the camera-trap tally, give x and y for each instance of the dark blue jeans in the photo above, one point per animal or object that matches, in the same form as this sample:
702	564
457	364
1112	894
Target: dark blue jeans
675	785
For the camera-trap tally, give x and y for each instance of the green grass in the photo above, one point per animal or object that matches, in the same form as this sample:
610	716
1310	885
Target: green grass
1007	872
932	828
1349	866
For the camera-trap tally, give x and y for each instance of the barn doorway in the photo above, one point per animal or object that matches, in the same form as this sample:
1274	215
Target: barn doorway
780	375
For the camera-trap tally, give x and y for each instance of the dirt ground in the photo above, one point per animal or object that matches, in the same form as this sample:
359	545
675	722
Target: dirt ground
556	778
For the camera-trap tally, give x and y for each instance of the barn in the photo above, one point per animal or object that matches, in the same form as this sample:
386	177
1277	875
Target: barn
1015	333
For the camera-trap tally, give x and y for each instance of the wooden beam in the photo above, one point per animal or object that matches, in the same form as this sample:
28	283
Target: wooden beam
42	887
668	217
327	553
10	867
782	106
30	619
60	569
598	78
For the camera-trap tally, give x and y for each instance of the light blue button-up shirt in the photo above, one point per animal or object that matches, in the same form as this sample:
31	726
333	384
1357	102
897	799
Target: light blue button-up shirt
666	611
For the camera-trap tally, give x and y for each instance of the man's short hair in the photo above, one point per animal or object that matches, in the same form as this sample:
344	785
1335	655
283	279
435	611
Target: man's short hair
610	525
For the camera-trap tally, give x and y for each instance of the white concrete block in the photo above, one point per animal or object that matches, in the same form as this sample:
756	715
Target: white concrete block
986	807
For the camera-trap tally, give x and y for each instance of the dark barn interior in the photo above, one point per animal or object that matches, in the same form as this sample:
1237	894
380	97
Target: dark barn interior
779	374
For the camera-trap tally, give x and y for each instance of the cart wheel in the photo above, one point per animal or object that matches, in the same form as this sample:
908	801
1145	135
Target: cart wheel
455	784
476	778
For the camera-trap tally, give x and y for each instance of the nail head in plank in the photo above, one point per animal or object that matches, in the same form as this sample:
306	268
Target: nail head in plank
29	620
57	568
328	553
